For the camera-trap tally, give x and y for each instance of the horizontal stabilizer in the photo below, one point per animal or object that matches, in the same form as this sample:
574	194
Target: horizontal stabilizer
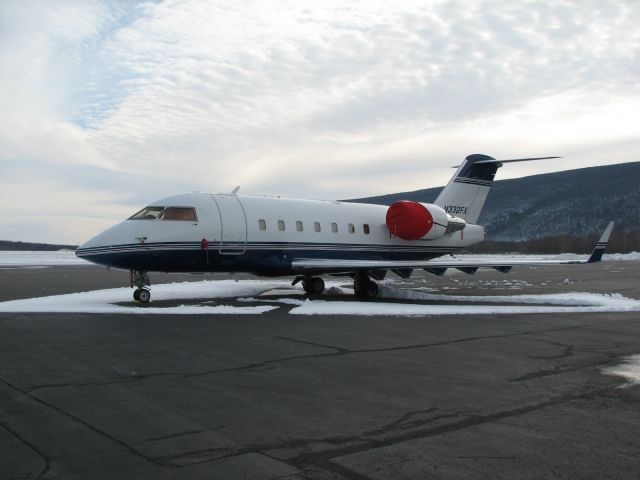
514	160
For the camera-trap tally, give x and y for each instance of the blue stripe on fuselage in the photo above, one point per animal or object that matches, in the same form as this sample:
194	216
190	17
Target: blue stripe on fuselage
260	258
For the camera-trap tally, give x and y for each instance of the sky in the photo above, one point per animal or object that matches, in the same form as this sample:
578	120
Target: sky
107	106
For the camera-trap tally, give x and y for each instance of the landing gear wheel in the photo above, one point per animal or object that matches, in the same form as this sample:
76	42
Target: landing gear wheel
143	295
364	287
140	279
313	285
371	290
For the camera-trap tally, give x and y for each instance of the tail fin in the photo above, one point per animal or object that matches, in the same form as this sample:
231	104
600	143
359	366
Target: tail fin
466	193
600	247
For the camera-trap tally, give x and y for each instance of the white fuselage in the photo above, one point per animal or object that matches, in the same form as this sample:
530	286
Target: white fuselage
261	234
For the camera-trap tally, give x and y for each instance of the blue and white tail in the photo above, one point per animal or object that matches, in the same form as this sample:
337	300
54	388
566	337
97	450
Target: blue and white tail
466	193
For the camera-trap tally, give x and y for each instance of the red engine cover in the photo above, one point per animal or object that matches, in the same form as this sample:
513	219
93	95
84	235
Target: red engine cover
409	220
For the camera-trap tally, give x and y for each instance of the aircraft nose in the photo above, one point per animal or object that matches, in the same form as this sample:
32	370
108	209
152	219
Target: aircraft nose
100	248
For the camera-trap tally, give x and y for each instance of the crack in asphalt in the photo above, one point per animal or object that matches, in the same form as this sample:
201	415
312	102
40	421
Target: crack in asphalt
33	448
343	445
176	435
470	421
257	366
77	419
567	350
560	369
304	342
363	437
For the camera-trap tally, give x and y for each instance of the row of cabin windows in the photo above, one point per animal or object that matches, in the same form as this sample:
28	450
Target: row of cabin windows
262	225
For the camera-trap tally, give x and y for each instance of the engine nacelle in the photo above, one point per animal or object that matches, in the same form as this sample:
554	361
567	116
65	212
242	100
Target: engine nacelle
413	221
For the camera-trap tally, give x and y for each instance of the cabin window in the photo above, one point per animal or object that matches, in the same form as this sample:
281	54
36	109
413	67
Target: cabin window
262	224
299	226
147	213
179	213
281	225
316	226
366	229
334	227
351	228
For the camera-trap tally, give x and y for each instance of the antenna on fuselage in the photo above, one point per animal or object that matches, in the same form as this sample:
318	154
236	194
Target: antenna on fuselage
235	190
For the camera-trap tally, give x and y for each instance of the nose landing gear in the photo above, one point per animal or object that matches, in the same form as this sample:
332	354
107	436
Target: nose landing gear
141	280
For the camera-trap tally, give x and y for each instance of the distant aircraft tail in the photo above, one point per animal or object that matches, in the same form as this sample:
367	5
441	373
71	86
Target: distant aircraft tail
466	193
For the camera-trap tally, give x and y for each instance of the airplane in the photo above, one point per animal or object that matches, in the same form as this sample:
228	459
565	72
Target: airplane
275	236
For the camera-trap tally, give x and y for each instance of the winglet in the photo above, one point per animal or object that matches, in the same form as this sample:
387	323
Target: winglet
596	255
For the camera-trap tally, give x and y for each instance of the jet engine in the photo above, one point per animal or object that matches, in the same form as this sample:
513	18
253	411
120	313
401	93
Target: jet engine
420	221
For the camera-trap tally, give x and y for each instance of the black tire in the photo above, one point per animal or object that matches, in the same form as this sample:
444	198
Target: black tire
317	285
136	295
372	290
365	288
313	285
144	295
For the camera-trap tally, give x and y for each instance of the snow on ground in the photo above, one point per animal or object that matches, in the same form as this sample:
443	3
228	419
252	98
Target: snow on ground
629	369
104	301
67	257
569	303
206	294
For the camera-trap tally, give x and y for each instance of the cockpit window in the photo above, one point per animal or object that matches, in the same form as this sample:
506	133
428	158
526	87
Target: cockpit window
147	213
166	213
179	213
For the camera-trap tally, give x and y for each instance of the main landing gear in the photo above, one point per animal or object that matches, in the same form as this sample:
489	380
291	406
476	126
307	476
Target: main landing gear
141	280
311	285
363	286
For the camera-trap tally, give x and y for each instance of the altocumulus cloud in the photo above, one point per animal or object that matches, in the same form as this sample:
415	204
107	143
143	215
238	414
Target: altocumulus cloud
109	105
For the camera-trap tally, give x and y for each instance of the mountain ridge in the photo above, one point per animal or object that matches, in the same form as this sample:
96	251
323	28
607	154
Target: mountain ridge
574	203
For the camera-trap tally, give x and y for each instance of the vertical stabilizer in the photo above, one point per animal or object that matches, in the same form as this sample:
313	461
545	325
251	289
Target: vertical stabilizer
465	194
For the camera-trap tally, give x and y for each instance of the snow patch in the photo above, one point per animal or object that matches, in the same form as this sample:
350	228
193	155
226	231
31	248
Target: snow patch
283	301
629	369
577	302
105	301
335	291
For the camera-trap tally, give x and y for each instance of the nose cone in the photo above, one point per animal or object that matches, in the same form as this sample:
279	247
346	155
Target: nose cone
103	249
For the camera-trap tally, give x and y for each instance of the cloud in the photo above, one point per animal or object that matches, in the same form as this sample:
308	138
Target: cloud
295	97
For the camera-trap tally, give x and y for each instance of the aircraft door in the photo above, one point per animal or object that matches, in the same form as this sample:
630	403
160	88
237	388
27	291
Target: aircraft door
233	224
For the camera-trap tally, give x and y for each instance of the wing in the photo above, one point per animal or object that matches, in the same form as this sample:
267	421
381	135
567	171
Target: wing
438	267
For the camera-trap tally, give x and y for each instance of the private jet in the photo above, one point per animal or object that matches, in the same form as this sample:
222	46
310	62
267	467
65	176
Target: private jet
275	236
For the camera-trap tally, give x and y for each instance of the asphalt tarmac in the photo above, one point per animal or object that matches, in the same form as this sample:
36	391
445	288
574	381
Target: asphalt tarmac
277	396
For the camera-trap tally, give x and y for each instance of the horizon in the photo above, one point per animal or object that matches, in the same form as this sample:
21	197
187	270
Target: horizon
350	199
